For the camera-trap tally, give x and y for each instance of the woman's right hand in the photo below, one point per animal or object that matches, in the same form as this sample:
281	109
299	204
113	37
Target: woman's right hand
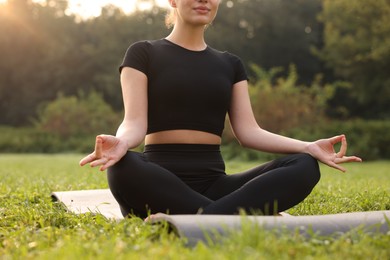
108	150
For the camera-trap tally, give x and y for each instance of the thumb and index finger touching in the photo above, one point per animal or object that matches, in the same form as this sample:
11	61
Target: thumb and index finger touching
96	154
343	147
341	155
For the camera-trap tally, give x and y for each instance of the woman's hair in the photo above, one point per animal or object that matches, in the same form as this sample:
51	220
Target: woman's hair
170	18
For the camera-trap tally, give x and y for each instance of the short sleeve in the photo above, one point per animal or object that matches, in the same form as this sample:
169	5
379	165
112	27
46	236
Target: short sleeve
136	57
240	72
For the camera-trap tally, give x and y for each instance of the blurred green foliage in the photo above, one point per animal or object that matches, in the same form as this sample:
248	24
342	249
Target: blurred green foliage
317	67
357	48
78	116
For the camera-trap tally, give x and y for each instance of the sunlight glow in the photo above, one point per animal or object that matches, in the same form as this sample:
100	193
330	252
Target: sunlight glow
88	9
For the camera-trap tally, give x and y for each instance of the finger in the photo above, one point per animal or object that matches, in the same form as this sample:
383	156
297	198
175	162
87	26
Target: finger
336	166
343	148
98	147
356	159
98	162
87	159
107	165
336	139
347	159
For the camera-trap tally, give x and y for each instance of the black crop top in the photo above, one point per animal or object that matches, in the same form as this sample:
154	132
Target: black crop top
186	89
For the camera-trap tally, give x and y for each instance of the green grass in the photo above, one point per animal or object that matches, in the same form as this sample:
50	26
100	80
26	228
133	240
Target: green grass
32	227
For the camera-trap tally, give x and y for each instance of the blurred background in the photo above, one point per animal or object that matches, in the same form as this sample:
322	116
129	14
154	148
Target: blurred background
318	68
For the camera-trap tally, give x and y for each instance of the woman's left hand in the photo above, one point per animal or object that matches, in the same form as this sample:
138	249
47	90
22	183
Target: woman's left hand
323	150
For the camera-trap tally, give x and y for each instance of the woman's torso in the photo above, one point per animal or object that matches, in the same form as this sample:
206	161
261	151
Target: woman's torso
182	136
189	92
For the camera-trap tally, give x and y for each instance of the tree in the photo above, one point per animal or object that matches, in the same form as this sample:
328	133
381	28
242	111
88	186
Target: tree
35	56
107	38
44	51
271	33
357	48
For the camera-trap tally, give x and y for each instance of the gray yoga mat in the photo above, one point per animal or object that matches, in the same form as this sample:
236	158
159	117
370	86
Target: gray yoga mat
197	228
206	228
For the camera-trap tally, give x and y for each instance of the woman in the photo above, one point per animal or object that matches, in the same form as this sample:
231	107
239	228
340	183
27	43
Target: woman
177	92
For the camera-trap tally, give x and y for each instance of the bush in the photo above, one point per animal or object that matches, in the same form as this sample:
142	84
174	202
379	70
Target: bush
77	116
234	151
32	140
68	124
280	103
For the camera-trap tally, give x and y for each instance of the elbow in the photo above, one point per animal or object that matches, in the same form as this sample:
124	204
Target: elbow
244	141
248	137
245	144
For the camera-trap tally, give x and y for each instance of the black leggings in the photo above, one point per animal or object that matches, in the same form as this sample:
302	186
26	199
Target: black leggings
191	179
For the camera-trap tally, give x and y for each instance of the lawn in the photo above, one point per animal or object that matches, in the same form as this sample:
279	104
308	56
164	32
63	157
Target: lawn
33	227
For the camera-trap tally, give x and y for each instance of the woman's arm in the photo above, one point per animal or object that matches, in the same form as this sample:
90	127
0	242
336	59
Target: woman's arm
134	92
131	132
250	134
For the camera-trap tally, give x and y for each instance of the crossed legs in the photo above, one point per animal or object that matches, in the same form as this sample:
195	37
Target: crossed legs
142	187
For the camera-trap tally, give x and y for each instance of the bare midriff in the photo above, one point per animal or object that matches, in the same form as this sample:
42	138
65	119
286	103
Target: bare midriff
182	137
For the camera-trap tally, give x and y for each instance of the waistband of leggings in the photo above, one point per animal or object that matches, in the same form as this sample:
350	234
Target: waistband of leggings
182	148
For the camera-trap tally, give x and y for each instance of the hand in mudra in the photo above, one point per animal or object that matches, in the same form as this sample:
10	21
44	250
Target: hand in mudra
323	150
108	150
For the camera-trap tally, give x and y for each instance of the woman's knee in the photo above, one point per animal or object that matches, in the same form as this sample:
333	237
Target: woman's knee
123	180
130	160
309	168
119	174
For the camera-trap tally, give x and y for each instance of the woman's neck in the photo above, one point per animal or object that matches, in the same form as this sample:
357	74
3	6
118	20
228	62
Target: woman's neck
189	38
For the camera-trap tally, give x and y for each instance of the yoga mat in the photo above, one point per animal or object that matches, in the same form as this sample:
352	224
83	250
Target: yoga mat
99	201
206	228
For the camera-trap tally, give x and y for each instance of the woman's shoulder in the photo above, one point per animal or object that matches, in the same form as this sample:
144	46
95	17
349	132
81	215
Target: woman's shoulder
146	43
225	55
141	47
